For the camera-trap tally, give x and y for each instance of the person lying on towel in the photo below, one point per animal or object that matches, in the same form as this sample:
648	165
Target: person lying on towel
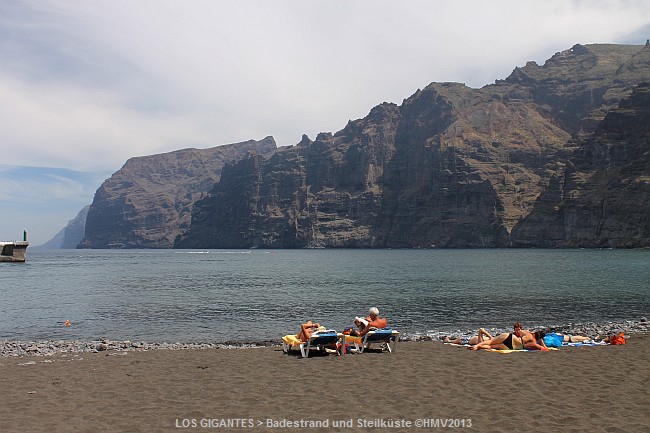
533	340
555	339
616	339
472	340
370	323
517	340
530	340
505	341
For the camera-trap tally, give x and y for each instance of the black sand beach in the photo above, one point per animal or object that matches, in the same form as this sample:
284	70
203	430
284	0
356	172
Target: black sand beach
419	386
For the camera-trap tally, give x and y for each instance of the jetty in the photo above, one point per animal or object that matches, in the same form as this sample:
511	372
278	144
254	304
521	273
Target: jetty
14	251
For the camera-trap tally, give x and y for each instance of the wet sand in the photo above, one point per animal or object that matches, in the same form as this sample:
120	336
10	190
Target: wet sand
589	389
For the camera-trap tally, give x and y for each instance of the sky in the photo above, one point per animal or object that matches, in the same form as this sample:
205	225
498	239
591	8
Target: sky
87	84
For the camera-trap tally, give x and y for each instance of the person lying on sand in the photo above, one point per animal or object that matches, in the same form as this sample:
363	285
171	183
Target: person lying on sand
517	340
555	339
505	341
482	336
532	340
615	339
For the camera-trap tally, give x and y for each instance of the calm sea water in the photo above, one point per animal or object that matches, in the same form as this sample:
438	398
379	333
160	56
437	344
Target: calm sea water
241	295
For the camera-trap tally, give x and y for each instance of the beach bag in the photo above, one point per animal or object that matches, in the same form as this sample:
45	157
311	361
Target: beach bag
346	349
617	340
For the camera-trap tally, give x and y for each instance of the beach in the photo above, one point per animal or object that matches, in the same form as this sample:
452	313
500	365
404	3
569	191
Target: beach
420	387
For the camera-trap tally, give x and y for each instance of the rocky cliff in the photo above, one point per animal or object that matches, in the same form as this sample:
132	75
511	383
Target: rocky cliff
504	165
602	197
577	87
148	202
69	236
449	167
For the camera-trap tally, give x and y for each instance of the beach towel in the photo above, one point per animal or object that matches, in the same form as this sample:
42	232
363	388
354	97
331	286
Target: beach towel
585	343
519	350
292	340
511	350
353	339
501	350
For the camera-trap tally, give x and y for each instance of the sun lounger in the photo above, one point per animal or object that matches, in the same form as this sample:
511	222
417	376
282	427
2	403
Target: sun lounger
387	337
318	340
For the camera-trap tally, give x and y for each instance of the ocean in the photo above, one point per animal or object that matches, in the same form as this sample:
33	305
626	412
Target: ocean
258	295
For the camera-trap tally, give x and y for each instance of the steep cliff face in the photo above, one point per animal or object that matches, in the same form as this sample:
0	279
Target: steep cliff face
603	197
75	230
316	194
450	167
472	163
69	236
148	202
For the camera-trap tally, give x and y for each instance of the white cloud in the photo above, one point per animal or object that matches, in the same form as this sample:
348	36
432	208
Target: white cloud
86	129
87	84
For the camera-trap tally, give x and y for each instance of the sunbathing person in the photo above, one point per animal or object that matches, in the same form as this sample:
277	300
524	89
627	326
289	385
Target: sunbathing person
482	336
568	338
555	339
306	329
505	341
532	340
370	323
615	339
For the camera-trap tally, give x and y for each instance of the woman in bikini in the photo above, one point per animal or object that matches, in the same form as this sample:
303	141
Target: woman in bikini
505	341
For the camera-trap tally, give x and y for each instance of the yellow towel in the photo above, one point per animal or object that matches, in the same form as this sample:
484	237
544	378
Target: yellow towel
292	340
516	350
352	339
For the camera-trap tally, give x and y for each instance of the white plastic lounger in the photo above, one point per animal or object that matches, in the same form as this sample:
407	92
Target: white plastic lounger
386	335
318	341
